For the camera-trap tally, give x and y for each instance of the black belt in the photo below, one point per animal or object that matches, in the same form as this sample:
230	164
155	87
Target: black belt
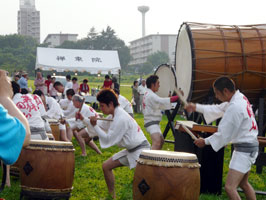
151	123
144	144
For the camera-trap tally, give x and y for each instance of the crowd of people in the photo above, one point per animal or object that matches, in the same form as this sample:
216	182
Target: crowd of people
25	115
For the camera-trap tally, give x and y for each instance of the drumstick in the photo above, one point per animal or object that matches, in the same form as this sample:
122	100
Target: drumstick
189	132
81	106
181	97
103	119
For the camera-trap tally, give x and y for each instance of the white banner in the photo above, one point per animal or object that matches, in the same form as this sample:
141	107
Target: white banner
93	61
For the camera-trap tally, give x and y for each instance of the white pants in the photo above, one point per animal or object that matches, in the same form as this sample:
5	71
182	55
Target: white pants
155	128
242	161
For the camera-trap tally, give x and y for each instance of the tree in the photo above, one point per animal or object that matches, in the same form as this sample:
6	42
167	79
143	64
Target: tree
18	53
106	40
158	58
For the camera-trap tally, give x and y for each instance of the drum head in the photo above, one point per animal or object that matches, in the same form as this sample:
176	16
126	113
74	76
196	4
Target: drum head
167	80
183	61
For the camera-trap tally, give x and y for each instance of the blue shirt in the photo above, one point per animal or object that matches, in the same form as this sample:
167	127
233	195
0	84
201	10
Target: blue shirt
12	135
23	83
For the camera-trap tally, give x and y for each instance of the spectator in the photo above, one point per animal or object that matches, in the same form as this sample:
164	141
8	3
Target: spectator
75	86
23	81
52	90
47	83
115	85
15	130
142	90
16	77
84	87
136	98
39	82
107	82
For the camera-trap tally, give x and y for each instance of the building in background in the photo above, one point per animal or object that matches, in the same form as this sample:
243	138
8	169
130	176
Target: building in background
29	19
141	48
54	40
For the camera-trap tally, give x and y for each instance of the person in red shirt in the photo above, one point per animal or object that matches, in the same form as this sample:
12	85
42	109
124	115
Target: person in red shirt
84	87
47	82
107	82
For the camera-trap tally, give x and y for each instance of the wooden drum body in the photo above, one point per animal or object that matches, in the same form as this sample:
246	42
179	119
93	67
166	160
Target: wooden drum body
47	169
205	52
166	175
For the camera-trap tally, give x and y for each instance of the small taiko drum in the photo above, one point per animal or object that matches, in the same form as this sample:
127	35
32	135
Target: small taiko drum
166	175
54	124
47	169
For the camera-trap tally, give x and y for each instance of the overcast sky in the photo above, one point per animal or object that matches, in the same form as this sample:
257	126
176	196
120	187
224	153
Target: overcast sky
164	16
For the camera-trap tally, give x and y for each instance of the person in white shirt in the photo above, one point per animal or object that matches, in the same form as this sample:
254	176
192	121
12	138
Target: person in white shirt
27	105
152	110
124	103
142	89
238	126
77	127
69	110
123	131
69	84
53	111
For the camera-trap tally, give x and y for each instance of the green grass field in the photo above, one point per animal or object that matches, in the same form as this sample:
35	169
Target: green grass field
89	181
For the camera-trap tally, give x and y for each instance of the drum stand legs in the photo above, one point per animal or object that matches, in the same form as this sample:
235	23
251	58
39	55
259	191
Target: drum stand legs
170	124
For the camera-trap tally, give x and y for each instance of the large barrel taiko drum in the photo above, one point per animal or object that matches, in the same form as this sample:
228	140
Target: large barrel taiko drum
205	52
166	175
47	169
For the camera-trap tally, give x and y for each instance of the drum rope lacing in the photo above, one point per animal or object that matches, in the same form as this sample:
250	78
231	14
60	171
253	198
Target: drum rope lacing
179	160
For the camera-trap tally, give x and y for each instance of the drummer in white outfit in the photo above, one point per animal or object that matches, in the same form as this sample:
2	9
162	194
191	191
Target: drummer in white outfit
67	106
238	126
123	131
80	130
124	103
53	111
27	105
152	111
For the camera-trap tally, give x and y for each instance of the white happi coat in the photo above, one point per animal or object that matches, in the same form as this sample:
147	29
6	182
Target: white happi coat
238	124
42	110
123	132
69	110
39	103
27	105
153	105
86	112
125	104
54	110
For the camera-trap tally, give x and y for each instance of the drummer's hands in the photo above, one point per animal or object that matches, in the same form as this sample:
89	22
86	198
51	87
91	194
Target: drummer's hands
200	142
93	120
79	116
190	107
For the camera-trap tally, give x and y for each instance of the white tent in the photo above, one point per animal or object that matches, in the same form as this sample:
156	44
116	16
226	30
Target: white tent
93	61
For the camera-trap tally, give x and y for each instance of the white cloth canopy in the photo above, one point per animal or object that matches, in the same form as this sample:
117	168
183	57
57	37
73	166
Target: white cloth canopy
93	61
